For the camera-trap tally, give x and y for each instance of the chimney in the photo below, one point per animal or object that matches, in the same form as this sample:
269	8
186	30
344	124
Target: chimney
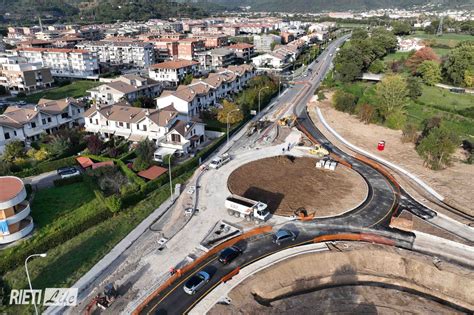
147	112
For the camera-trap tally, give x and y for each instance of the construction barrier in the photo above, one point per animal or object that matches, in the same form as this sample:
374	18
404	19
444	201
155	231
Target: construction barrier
230	275
180	272
362	237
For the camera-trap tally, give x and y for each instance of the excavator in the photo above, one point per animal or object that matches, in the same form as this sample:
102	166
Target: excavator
287	121
302	214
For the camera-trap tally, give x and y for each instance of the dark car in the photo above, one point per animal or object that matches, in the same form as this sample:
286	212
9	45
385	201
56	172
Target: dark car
66	172
229	254
283	236
196	282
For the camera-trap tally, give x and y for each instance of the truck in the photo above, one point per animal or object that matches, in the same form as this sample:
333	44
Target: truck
247	208
219	161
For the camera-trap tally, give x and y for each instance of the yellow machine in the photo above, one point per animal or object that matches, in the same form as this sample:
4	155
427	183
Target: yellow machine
319	151
287	121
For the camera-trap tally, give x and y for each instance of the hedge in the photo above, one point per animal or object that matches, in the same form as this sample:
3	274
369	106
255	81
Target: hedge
46	166
61	230
68	181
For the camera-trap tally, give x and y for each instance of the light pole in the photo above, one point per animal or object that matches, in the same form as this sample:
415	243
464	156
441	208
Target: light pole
28	275
265	87
169	171
228	125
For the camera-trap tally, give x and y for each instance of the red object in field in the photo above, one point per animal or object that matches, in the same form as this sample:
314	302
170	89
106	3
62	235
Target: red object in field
381	145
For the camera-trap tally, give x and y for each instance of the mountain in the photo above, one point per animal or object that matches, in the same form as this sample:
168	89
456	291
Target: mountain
302	6
24	11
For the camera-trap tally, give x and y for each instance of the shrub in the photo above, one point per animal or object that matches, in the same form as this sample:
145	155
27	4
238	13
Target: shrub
344	102
437	147
114	203
410	133
396	120
366	113
46	166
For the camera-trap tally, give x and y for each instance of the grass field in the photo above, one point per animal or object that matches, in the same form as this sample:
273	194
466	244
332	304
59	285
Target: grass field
396	55
74	89
50	203
447	39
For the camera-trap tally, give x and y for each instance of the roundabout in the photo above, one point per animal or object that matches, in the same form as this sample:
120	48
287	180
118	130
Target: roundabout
287	183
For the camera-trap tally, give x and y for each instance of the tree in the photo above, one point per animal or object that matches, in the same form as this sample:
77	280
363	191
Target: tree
424	54
401	28
409	133
359	33
186	80
13	149
366	113
391	93
234	117
415	88
94	144
469	78
430	71
378	66
58	145
344	101
459	61
144	152
437	148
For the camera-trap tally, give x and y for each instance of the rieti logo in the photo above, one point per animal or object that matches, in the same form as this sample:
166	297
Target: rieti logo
51	297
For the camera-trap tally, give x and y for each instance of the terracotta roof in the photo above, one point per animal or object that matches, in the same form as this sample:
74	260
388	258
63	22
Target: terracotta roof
175	64
57	106
11	187
20	115
84	161
153	172
240	46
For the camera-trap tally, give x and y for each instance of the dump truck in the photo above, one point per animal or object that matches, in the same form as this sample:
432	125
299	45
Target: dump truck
319	151
219	161
287	121
247	208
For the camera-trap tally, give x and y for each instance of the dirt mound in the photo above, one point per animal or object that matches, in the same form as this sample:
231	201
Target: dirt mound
287	183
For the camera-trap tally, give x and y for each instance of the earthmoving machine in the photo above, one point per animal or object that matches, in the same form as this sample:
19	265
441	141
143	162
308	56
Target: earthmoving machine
247	208
319	151
287	121
302	214
104	300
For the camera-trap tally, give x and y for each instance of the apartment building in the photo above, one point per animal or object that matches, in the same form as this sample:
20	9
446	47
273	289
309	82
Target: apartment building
190	100
189	47
213	40
163	126
170	73
121	52
70	63
26	123
243	51
264	43
16	74
15	219
216	58
127	87
165	49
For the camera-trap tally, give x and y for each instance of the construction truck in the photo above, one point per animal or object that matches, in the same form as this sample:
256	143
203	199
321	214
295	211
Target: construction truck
219	161
102	301
247	208
319	151
287	121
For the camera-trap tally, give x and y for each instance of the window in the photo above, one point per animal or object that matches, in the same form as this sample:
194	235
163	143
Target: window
90	120
128	126
64	115
49	119
7	135
144	127
43	121
175	138
96	121
14	132
33	125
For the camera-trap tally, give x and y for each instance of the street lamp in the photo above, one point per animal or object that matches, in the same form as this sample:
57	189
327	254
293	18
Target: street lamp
265	87
169	171
28	275
228	114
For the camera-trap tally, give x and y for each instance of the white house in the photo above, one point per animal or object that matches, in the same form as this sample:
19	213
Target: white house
126	87
170	73
26	123
272	61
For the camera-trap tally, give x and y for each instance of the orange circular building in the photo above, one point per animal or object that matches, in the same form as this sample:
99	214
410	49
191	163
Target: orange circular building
15	219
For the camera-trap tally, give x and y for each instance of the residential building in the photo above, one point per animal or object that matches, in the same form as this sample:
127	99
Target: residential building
163	126
189	47
71	63
118	52
287	37
16	74
274	61
213	40
243	51
170	73
265	43
165	49
127	87
216	58
15	219
28	122
190	100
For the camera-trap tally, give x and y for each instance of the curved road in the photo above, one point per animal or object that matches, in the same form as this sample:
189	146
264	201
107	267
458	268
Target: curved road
384	198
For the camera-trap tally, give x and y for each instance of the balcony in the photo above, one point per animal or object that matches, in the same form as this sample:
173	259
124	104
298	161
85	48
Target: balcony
26	226
22	210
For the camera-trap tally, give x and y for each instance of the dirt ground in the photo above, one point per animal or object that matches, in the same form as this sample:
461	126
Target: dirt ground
454	183
286	184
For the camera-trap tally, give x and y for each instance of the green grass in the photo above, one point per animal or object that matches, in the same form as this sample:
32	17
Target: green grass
74	89
447	38
396	56
51	203
444	99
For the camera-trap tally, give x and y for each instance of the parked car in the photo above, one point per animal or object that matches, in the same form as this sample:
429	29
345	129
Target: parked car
196	282
282	236
229	254
66	172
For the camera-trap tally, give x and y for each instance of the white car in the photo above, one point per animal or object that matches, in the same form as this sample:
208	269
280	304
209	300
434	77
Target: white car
196	282
69	172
